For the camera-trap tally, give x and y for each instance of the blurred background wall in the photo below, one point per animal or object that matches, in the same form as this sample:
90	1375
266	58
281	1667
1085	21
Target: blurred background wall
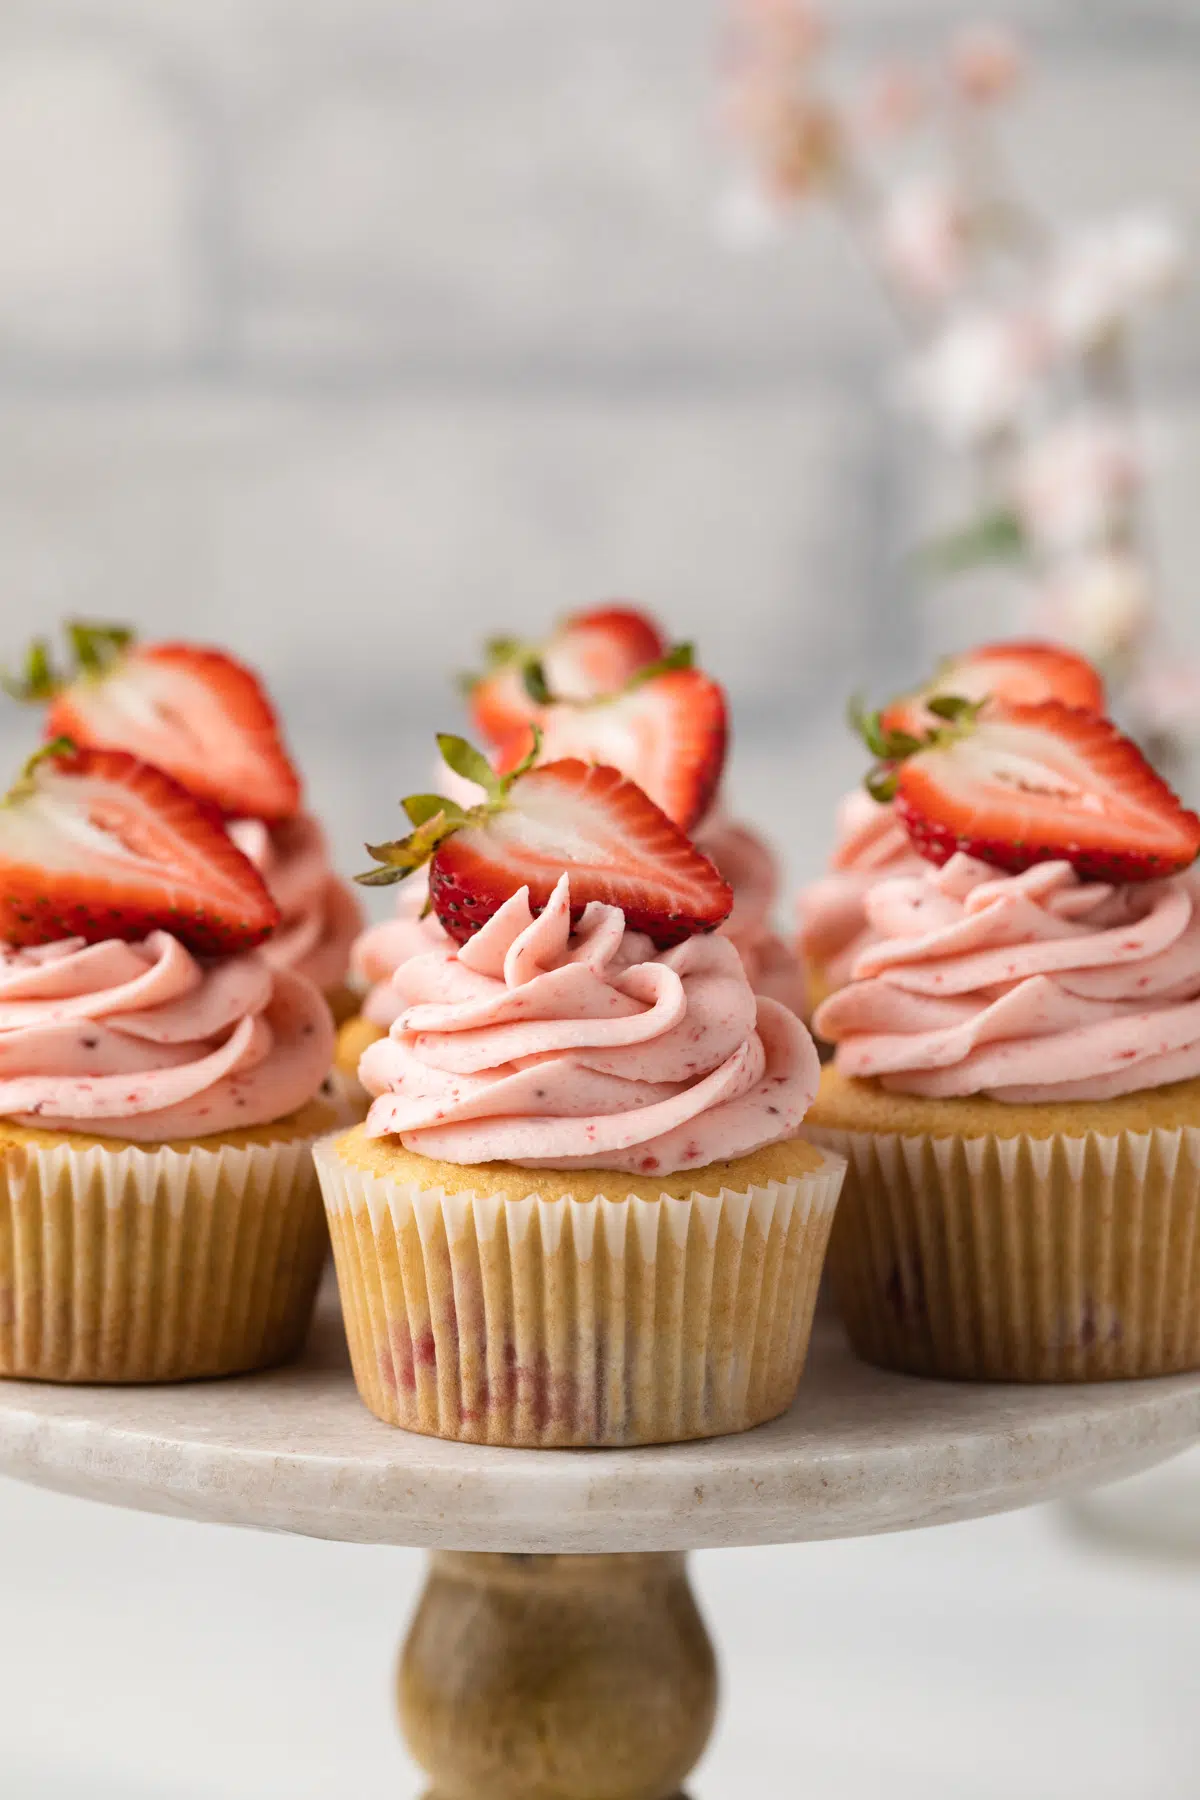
346	332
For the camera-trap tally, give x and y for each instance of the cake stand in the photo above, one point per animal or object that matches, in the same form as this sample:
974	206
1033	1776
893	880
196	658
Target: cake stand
557	1652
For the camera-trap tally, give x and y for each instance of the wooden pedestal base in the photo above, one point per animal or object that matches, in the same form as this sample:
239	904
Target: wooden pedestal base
557	1678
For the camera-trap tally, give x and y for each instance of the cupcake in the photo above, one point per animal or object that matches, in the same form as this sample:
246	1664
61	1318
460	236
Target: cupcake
871	844
604	687
578	1212
206	719
160	1088
1016	1081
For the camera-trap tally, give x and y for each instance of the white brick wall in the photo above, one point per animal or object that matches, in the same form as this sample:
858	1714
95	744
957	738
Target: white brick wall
348	331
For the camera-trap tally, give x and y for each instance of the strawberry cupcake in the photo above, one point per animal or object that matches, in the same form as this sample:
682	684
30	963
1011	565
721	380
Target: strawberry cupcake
1016	1080
205	719
606	688
871	844
160	1087
578	1212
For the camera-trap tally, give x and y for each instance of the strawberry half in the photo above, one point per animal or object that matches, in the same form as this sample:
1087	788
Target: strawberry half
668	732
1018	785
95	844
539	823
195	712
591	653
1021	672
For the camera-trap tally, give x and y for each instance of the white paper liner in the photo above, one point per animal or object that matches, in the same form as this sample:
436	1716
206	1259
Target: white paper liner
156	1264
1021	1258
576	1322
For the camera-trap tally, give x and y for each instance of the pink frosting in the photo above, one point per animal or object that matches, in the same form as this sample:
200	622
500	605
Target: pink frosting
535	1045
751	868
143	1041
384	948
1028	987
321	914
871	845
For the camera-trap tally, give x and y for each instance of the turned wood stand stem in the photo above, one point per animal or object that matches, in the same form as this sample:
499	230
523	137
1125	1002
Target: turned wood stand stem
557	1677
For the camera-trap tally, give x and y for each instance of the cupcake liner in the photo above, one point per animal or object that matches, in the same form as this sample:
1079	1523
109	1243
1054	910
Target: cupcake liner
576	1322
1021	1258
156	1264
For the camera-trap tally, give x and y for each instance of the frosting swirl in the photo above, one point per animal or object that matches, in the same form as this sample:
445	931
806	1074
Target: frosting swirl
752	871
380	950
146	1042
1032	987
538	1046
321	913
871	845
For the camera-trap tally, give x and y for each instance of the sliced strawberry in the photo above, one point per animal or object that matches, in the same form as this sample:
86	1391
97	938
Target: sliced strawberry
539	823
589	654
1018	785
1023	673
668	733
95	844
195	712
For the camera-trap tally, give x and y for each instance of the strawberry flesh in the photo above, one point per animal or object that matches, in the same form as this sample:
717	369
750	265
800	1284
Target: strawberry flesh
669	734
1045	783
1020	672
196	713
601	830
591	653
99	845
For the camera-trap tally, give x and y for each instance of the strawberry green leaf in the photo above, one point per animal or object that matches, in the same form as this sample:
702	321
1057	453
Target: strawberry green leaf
421	807
468	762
39	681
96	646
533	676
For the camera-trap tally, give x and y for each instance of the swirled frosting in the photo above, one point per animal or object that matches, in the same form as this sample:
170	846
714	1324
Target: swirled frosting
536	1045
321	914
1031	987
382	949
752	870
871	846
144	1041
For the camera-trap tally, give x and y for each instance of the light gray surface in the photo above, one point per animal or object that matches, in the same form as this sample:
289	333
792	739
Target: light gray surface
150	1659
861	1451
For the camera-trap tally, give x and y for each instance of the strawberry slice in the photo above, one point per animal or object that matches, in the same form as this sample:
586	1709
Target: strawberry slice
668	732
95	844
195	712
591	653
1018	785
1022	672
539	823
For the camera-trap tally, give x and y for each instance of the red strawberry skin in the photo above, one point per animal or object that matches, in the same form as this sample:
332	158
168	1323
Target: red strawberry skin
198	714
591	653
623	851
1022	672
99	845
1046	783
670	735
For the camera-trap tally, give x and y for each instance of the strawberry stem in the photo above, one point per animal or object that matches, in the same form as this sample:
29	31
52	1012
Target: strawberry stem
435	818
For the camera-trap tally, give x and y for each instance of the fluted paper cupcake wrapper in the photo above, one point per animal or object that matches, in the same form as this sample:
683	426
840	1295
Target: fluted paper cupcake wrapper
156	1264
1021	1258
569	1322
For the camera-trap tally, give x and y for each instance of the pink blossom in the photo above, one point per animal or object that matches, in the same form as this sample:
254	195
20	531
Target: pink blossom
978	375
1077	479
794	138
893	101
986	63
924	239
1106	273
1102	603
786	30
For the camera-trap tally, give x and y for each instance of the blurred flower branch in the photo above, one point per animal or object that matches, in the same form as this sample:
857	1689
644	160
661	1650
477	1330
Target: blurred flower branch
1018	332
